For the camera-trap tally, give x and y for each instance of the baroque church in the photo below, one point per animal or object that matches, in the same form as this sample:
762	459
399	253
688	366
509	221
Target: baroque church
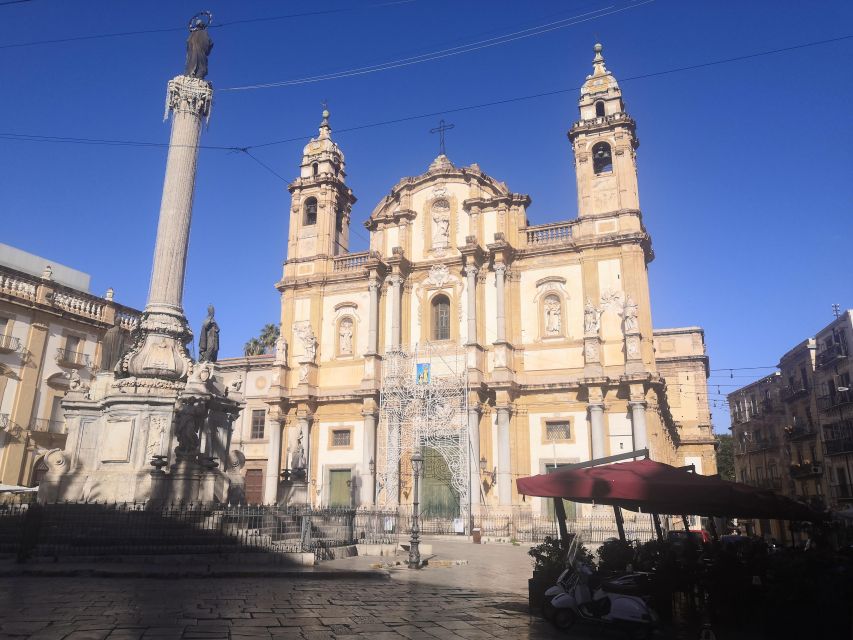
495	348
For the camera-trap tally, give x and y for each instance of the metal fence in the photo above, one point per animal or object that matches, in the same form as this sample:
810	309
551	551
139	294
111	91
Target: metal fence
100	529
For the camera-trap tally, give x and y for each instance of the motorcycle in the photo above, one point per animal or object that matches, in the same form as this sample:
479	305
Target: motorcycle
563	581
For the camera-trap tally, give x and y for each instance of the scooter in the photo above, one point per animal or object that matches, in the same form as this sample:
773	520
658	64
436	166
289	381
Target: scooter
564	581
618	601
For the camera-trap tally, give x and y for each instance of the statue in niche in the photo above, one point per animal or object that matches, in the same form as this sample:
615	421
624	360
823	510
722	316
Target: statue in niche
633	347
199	46
208	338
591	318
440	224
553	316
629	315
298	461
345	337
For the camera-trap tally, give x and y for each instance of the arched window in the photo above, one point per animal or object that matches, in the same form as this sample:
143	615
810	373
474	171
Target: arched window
602	160
440	318
310	211
315	169
339	220
599	109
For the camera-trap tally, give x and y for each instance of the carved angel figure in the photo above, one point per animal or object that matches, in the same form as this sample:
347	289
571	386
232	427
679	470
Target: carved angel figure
345	337
591	318
440	224
629	315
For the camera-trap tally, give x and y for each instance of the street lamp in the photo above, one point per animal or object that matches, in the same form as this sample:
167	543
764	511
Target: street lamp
414	548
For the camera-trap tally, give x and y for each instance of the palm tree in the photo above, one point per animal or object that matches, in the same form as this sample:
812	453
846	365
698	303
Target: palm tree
264	343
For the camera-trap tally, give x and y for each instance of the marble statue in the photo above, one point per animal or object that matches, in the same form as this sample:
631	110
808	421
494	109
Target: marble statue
112	348
309	343
629	314
208	338
199	46
440	224
299	461
345	337
553	315
591	318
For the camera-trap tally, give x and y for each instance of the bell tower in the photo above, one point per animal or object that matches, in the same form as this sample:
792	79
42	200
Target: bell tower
321	202
604	141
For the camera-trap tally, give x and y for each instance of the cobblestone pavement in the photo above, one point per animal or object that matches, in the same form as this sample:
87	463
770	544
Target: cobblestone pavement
128	609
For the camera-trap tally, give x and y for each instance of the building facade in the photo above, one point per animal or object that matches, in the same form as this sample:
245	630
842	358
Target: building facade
52	339
498	348
793	430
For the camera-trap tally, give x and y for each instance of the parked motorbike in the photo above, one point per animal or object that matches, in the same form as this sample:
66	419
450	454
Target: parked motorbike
620	601
563	581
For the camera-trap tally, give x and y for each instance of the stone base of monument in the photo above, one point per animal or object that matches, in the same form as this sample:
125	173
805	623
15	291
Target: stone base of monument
121	429
294	493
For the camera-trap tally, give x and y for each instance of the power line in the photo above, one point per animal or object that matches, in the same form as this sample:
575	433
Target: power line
3	4
452	51
121	34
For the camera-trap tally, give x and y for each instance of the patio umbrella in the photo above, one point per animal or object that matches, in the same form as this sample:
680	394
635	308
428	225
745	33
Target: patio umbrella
654	487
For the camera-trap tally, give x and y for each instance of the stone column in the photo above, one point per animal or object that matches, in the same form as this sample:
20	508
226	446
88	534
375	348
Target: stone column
368	483
471	286
396	324
273	463
373	330
162	353
638	424
500	273
474	448
504	473
596	424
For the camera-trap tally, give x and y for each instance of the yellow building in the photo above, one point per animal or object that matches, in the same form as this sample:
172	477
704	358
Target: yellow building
51	339
498	348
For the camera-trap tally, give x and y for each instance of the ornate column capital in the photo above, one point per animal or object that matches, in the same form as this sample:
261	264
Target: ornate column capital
500	268
470	271
189	95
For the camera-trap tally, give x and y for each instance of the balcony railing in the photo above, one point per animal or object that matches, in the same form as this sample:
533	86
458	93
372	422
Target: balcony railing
830	355
842	492
762	445
800	432
9	344
774	484
806	469
557	233
838	446
350	262
827	402
44	425
789	393
68	358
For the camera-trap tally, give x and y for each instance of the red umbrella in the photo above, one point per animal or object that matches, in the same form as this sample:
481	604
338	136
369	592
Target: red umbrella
645	485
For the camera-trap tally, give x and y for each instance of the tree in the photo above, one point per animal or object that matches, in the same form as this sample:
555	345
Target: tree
725	457
264	342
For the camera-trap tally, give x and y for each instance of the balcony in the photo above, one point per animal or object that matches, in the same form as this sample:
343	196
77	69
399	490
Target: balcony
555	233
830	354
838	446
800	432
832	401
73	359
789	394
842	492
762	445
9	344
806	470
44	425
773	484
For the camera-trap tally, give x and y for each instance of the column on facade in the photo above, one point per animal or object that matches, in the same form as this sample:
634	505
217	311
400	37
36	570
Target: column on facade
638	424
596	424
373	329
273	462
471	286
504	473
474	449
500	276
396	321
368	481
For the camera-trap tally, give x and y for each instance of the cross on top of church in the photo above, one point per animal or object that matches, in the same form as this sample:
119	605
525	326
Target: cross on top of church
440	129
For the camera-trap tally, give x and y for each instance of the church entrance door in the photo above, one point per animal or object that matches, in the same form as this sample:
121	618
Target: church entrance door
339	488
438	499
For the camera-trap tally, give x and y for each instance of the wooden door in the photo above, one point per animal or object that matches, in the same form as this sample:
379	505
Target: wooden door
254	486
438	499
339	488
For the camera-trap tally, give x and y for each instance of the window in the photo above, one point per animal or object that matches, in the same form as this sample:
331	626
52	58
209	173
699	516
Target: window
339	220
599	109
259	418
602	159
341	437
315	169
557	430
4	322
310	212
440	318
72	344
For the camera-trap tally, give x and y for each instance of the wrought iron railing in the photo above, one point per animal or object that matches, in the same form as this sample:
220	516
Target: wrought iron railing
806	469
46	425
8	344
66	357
831	354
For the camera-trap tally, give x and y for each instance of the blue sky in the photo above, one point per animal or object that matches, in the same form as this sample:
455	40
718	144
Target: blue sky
744	167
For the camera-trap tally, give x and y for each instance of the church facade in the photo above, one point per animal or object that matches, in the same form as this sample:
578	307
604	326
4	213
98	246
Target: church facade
497	348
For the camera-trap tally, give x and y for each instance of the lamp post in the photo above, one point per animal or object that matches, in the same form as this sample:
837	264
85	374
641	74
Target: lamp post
414	543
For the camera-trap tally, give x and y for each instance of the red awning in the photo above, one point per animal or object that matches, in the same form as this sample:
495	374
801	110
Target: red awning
645	485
